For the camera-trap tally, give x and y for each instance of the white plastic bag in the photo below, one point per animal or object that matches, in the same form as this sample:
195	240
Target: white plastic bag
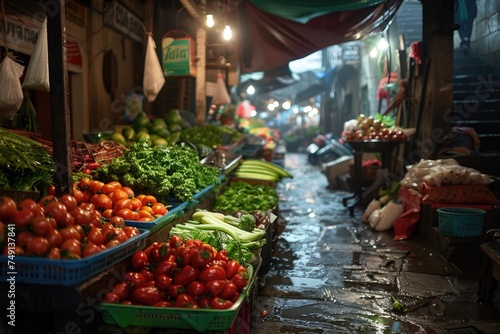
221	96
11	92
153	72
37	73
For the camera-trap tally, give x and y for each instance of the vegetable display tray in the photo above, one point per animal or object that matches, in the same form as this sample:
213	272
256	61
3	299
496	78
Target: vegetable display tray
68	272
175	211
200	320
460	222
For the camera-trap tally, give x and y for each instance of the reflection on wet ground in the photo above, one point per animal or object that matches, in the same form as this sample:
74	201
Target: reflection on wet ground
332	274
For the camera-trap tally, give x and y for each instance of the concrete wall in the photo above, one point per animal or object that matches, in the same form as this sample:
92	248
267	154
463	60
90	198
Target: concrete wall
485	41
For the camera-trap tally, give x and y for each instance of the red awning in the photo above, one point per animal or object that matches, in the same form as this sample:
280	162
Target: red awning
269	41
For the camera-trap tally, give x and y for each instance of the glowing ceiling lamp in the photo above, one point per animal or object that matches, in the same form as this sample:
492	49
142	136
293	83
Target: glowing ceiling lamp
210	21
227	34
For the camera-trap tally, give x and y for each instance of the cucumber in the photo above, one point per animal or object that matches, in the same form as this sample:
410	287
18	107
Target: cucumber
270	165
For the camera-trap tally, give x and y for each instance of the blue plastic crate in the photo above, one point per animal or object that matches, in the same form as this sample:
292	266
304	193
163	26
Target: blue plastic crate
460	222
175	211
69	272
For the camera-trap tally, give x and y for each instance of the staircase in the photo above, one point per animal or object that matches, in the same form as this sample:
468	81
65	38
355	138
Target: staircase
476	104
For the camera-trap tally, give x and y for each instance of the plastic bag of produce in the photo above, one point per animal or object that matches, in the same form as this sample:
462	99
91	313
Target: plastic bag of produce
153	73
11	91
37	73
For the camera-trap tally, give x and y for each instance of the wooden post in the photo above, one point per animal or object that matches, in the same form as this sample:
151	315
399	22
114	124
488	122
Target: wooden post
438	31
201	102
59	91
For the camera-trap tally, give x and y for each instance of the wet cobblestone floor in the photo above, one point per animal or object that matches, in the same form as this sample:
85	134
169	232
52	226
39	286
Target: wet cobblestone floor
330	273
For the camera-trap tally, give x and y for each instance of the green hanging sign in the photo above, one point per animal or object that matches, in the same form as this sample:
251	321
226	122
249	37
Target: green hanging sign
178	54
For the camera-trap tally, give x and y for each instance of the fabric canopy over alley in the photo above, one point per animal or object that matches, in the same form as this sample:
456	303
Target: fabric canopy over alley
280	31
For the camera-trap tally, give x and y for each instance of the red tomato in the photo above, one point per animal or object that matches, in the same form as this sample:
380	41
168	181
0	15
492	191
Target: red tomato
147	295
51	190
23	238
185	300
81	215
136	203
38	246
196	289
96	186
220	304
41	225
222	255
129	191
212	273
117	195
163	282
69	202
83	184
57	210
107	188
148	274
165	267
121	290
216	287
90	249
229	291
112	243
239	281
126	214
107	213
7	208
54	238
70	232
117	221
22	218
95	235
232	268
149	200
54	254
115	234
123	203
163	303
159	209
72	247
175	241
203	256
47	199
78	195
131	231
139	260
111	298
175	290
134	280
102	202
204	302
186	275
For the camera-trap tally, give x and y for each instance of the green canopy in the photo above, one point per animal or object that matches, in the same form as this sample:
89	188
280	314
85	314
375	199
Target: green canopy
303	11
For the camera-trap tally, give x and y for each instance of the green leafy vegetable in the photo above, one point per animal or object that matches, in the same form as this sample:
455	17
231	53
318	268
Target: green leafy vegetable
246	197
165	172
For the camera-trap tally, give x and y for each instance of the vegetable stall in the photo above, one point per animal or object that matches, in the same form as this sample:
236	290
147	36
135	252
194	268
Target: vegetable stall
148	232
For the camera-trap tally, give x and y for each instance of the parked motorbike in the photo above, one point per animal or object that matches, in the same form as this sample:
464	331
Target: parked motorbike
325	148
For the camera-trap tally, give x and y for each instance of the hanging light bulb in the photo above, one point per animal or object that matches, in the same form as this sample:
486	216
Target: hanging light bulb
227	34
210	21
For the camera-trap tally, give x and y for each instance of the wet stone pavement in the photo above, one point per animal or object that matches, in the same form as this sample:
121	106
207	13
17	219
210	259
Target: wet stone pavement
330	273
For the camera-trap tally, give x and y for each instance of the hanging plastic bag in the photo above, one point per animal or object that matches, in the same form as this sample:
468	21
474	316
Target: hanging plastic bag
221	96
153	72
37	73
11	92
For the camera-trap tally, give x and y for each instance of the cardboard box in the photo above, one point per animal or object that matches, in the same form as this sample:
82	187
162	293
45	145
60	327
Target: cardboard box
337	167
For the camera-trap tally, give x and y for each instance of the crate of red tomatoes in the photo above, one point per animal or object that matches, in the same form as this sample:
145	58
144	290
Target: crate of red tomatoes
179	285
58	241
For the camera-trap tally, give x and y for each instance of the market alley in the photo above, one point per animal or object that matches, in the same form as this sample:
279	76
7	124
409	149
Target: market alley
332	274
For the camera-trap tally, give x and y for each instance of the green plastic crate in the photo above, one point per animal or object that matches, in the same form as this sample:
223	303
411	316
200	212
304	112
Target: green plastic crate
200	320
